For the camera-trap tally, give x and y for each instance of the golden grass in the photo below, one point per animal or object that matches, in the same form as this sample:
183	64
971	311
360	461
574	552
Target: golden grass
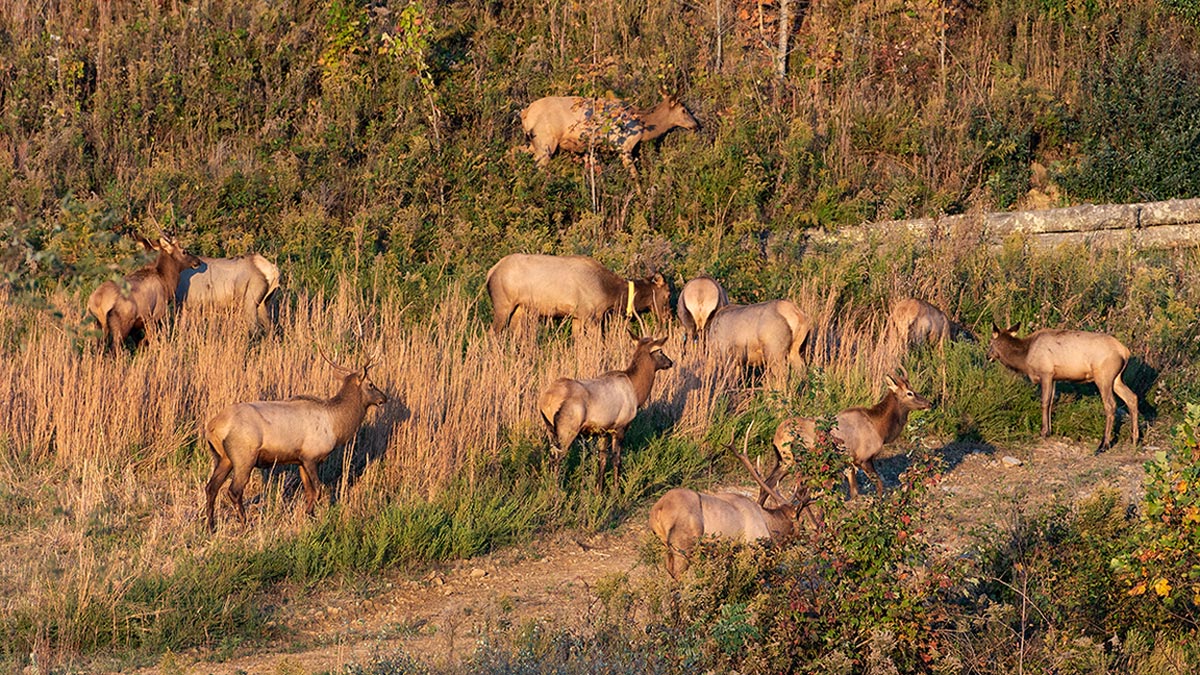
106	455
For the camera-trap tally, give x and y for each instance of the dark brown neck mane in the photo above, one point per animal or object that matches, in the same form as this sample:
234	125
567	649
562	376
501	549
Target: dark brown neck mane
641	373
347	409
889	417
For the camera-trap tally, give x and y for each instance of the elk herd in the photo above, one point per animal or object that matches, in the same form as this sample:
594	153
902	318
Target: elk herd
770	336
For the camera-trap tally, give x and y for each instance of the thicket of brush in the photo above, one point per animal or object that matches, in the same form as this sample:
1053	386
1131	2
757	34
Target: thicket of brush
368	148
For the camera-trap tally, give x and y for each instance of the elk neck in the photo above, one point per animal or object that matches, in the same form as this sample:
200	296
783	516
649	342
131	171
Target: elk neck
169	270
889	417
347	409
641	374
1012	351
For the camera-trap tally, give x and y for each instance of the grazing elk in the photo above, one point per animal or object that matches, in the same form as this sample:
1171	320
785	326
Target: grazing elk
915	322
602	405
861	431
682	517
245	282
698	300
769	334
150	290
576	124
575	286
1048	356
302	430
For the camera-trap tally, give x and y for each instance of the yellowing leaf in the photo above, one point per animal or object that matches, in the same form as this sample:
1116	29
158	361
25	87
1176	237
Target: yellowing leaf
1138	590
1162	587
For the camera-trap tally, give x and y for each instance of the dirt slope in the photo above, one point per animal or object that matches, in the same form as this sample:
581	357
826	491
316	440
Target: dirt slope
439	617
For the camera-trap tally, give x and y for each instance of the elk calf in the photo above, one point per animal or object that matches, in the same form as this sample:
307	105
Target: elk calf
303	430
602	405
698	301
682	517
861	431
150	290
1048	356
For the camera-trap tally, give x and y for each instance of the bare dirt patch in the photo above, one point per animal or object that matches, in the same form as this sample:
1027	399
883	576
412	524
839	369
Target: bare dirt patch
440	616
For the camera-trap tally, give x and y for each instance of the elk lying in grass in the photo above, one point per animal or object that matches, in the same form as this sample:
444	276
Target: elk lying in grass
575	286
914	322
150	290
769	334
245	282
602	405
861	431
698	300
682	517
302	430
1048	356
578	124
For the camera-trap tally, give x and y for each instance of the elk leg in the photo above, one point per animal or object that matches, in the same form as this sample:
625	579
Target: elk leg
617	439
869	467
602	455
308	474
1110	414
852	477
1131	401
1047	404
221	468
241	476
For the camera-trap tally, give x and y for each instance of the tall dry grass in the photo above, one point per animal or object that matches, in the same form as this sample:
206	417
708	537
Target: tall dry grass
103	458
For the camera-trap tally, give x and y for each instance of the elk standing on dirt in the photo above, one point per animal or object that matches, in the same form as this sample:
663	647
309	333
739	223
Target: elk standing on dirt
602	405
576	286
1048	356
698	300
577	124
150	290
861	431
302	430
769	334
682	516
245	282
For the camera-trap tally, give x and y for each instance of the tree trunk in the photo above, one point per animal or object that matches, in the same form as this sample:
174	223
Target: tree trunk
785	34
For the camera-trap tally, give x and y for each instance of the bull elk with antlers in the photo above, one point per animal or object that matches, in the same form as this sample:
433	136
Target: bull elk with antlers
149	291
682	517
861	431
302	430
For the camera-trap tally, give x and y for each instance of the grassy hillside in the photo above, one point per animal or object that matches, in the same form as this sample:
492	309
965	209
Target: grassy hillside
372	150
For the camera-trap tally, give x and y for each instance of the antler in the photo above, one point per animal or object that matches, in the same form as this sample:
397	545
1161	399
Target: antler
328	360
753	472
904	373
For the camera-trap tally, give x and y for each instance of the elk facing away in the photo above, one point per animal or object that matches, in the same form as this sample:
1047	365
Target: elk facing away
576	286
302	430
698	301
245	282
150	290
861	431
682	517
602	405
769	334
914	322
576	124
1048	356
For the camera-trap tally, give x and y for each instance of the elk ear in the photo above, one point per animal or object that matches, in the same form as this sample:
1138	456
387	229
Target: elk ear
658	279
635	336
891	382
995	330
1012	330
